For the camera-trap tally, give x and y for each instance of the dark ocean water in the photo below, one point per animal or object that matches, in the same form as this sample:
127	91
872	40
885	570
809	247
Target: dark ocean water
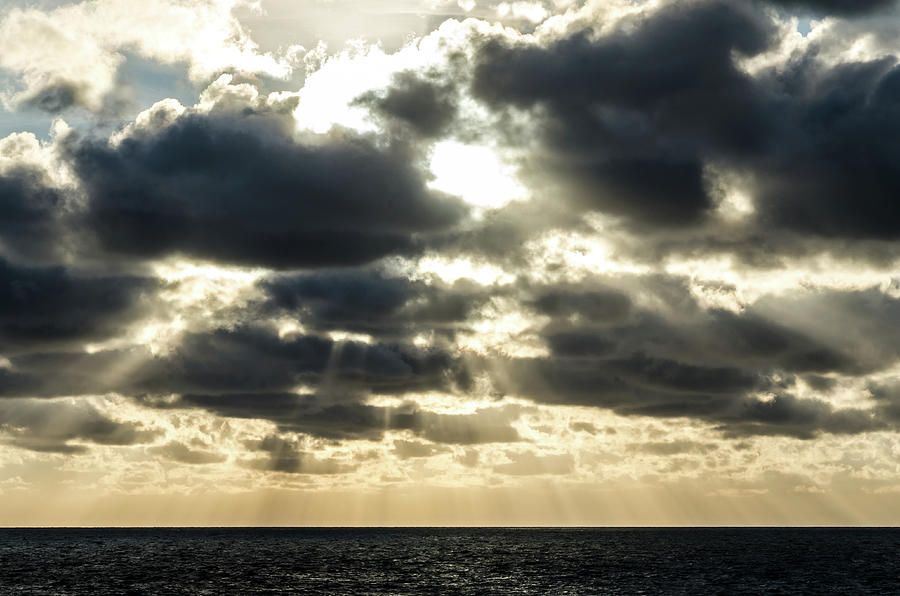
451	561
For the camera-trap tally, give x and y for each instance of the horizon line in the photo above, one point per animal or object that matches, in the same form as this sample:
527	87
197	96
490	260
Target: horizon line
461	527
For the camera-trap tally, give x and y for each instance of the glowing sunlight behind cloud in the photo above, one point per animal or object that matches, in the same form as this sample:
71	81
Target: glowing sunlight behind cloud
475	174
488	262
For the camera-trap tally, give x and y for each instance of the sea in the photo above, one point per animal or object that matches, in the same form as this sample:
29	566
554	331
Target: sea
450	561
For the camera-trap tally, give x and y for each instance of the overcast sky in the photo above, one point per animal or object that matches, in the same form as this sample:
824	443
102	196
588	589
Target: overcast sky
434	262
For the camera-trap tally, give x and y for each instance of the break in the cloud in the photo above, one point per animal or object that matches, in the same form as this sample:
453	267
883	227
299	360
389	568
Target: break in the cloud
70	55
617	247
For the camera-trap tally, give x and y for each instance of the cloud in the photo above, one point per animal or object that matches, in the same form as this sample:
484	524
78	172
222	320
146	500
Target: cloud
658	136
803	418
685	162
49	426
236	186
426	106
241	360
30	228
628	118
488	425
256	359
307	414
182	453
530	464
44	307
726	398
285	455
414	449
773	332
583	427
55	98
314	416
736	371
833	173
835	6
887	399
594	305
371	302
68	56
668	448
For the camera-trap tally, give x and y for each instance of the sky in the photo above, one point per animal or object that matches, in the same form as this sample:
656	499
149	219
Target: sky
425	262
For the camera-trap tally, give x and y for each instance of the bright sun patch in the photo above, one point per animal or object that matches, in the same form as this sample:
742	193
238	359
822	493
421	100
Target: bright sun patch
474	173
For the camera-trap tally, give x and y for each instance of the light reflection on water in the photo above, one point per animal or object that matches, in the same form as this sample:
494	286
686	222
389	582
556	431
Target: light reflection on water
459	561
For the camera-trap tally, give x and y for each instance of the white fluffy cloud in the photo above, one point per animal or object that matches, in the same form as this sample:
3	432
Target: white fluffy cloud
70	55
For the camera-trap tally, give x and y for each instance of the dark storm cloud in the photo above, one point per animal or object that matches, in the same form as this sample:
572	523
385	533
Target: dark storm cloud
56	374
630	117
234	186
285	455
427	106
577	342
843	7
718	337
256	359
306	414
887	399
663	374
722	397
755	340
596	305
606	351
41	307
736	371
29	216
860	325
56	97
249	373
311	415
786	414
371	302
50	425
820	383
627	123
836	171
630	383
248	359
630	122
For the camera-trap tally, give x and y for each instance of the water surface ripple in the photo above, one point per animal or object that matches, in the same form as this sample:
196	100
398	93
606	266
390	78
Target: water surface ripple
451	561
